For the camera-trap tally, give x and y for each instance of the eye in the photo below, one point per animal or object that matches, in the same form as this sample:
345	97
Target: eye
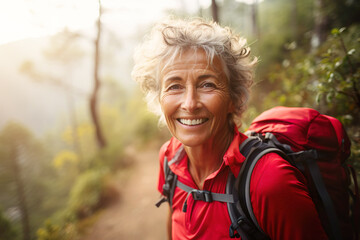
208	85
174	87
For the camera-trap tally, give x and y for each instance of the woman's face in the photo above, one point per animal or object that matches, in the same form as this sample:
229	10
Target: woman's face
195	99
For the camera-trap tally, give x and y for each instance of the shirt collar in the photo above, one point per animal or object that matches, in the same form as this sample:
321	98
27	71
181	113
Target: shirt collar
232	157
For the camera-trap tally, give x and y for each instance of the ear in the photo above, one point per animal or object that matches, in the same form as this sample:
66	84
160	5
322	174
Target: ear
231	108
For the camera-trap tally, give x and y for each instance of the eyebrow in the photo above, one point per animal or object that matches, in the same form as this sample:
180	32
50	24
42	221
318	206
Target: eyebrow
174	78
205	76
200	78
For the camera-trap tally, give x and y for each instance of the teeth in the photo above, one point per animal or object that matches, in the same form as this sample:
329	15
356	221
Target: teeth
192	122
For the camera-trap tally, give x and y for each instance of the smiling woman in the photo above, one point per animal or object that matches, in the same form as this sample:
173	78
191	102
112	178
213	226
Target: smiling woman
196	76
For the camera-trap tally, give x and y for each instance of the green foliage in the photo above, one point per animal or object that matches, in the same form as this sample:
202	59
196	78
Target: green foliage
354	135
24	172
86	194
49	232
289	83
90	171
327	79
145	125
80	185
7	230
339	74
52	231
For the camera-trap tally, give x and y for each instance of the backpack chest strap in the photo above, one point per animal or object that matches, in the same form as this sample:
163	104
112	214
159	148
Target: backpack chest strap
203	195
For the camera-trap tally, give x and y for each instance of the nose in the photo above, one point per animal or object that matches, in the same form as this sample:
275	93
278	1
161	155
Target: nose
190	101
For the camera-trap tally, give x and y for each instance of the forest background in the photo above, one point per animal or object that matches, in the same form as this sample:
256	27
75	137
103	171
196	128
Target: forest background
69	109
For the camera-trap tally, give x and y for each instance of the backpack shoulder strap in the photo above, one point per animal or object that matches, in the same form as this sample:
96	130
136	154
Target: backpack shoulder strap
253	150
168	187
241	214
170	178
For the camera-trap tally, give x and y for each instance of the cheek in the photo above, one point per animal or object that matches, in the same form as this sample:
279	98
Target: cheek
220	104
167	103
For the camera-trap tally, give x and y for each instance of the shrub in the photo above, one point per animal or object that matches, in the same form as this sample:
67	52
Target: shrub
52	231
7	230
85	196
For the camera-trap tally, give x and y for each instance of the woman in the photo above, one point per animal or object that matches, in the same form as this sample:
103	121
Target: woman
196	76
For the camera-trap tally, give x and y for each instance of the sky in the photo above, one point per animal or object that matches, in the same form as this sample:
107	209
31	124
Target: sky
21	19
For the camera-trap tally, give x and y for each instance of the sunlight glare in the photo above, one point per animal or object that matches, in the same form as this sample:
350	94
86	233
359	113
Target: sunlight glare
20	19
249	1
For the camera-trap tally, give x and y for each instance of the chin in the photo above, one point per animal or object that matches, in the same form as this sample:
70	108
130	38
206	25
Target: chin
190	141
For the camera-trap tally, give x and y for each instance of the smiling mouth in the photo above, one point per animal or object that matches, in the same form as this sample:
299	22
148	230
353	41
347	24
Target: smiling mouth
192	122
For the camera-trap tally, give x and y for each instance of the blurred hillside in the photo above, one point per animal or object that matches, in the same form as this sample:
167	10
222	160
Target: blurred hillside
40	104
34	105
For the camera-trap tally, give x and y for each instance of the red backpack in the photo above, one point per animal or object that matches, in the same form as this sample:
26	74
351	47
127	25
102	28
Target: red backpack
317	145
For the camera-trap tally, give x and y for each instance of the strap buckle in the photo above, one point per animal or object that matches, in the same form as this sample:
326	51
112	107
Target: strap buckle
161	201
234	227
202	195
243	228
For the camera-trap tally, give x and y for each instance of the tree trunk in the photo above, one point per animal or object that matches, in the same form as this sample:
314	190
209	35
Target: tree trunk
74	123
94	96
320	24
214	11
294	23
20	189
318	37
254	19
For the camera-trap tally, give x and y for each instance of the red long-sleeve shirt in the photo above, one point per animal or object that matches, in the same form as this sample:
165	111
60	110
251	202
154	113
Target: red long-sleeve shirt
279	197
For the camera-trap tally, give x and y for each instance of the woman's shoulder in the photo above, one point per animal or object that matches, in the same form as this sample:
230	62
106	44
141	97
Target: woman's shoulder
273	174
281	200
169	148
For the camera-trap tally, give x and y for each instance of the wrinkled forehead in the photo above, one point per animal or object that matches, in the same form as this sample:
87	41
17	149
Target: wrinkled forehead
191	56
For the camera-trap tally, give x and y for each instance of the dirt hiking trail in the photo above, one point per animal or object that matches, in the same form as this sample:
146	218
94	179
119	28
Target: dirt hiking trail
134	216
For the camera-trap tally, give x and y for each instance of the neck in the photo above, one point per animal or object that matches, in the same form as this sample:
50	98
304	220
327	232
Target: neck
206	159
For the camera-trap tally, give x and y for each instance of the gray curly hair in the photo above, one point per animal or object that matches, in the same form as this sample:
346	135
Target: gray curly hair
171	37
